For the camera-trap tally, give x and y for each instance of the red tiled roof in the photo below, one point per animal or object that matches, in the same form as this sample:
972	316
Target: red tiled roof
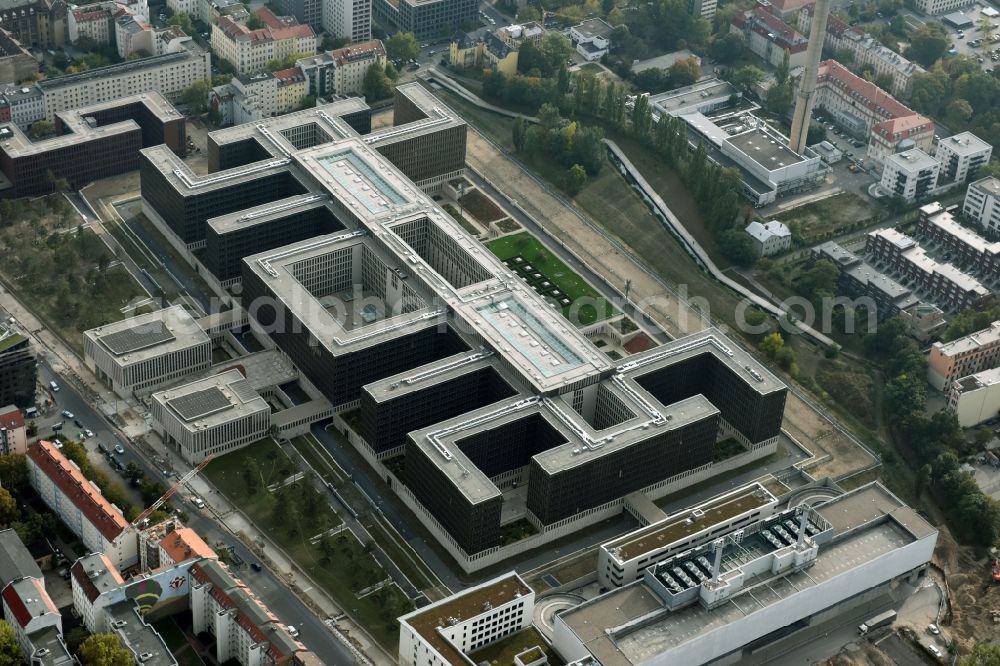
184	543
909	125
789	5
370	49
106	517
12	419
863	92
16	604
95	15
766	24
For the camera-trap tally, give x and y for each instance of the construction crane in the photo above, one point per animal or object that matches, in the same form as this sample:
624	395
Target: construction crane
170	492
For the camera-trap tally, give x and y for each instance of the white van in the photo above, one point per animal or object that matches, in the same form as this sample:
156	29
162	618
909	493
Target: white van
53	386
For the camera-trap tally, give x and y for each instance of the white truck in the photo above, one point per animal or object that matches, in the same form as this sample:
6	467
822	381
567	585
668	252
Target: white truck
880	620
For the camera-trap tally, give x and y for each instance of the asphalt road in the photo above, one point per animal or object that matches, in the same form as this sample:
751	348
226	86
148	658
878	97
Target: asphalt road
271	590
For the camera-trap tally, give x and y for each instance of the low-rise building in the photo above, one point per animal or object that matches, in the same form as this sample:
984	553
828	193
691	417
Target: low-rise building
341	72
483	49
78	502
13	437
982	203
858	279
770	38
592	38
249	51
909	175
975	398
210	416
769	238
968	355
961	156
961	245
937	7
446	631
145	352
16	64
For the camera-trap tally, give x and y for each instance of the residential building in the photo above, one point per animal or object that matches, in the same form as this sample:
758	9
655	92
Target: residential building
182	544
982	203
142	353
963	246
706	604
347	18
16	561
17	369
210	10
190	7
909	175
16	64
167	74
975	398
770	38
21	105
249	51
445	631
93	23
357	311
135	35
961	156
769	238
309	12
869	113
210	416
13	437
292	88
516	35
79	503
426	18
40	23
949	287
341	72
92	142
592	38
858	279
483	49
703	8
948	362
37	623
866	52
937	7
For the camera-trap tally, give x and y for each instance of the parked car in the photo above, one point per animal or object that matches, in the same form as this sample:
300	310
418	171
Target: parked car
933	629
67	414
292	631
255	566
934	650
88	433
77	422
119	449
54	387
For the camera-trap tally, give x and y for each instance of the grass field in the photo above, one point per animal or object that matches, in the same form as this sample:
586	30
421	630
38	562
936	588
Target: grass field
503	651
591	67
557	281
479	206
829	217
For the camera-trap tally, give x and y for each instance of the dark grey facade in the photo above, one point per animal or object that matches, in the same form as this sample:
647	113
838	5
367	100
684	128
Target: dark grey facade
17	372
427	20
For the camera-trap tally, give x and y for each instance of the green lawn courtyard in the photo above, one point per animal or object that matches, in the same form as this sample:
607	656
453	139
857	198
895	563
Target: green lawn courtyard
551	278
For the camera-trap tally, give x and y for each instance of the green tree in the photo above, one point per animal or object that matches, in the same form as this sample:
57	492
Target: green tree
10	651
196	95
402	46
957	113
729	48
556	50
255	22
771	344
8	509
816	134
376	85
520	131
133	473
330	42
575	179
104	650
737	247
984	654
14	472
562	81
928	43
779	99
746	77
684	72
182	20
42	129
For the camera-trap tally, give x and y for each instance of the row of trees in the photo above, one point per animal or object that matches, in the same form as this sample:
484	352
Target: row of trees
933	444
958	91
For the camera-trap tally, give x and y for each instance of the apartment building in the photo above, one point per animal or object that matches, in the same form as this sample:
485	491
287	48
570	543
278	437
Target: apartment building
292	88
859	279
16	64
948	286
982	203
961	156
962	245
703	8
341	72
144	352
13	435
94	23
21	105
948	362
869	113
909	175
347	18
210	416
167	74
866	52
249	51
79	503
426	18
975	398
768	37
40	23
937	7
18	370
309	12
446	631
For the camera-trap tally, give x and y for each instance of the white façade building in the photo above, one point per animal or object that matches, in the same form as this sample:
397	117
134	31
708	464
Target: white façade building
140	354
79	503
982	203
209	416
961	156
910	175
770	237
442	633
976	398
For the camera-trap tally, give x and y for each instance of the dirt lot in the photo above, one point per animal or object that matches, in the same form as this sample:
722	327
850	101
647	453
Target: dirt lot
836	454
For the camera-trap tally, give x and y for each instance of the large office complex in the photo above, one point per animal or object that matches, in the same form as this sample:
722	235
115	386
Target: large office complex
426	18
746	587
397	312
209	416
982	203
92	142
948	362
145	352
18	370
98	523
